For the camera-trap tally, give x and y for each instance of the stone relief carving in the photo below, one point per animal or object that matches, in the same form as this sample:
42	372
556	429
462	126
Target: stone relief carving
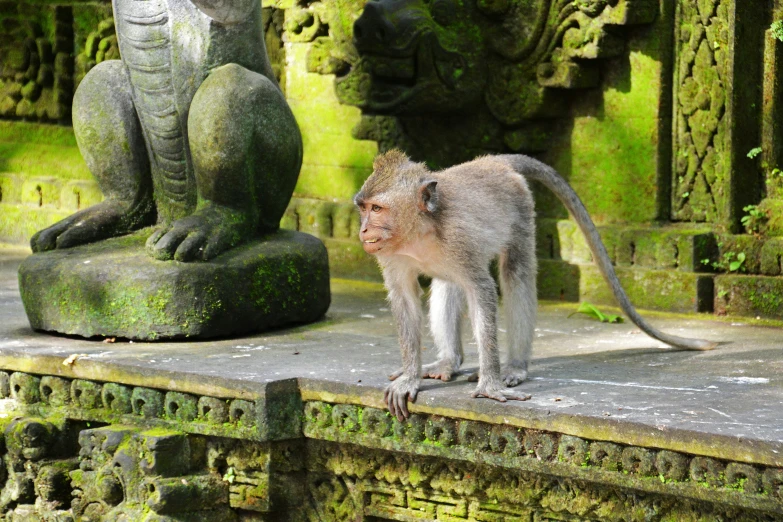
84	450
36	68
476	77
528	449
700	126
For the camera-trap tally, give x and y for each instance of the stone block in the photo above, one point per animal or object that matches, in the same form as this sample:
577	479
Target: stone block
655	289
558	280
749	295
80	194
115	289
10	188
40	192
86	394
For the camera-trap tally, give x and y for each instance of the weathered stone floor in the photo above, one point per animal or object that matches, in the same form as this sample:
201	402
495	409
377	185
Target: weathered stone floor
589	379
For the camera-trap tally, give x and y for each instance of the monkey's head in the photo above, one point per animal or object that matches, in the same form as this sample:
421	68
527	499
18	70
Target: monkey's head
393	202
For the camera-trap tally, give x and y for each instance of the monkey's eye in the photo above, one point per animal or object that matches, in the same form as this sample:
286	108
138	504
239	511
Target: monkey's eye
376	208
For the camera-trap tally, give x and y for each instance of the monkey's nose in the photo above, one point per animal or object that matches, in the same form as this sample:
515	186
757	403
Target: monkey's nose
373	27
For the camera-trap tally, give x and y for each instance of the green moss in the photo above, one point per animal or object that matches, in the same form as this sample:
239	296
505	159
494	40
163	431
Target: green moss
40	150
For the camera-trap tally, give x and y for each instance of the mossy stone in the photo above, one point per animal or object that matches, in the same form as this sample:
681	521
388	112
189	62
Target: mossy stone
114	289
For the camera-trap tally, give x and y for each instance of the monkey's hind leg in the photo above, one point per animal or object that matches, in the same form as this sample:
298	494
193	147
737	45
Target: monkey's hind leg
446	304
482	301
518	284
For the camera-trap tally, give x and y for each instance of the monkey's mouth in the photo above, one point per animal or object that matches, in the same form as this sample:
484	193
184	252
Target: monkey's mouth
373	246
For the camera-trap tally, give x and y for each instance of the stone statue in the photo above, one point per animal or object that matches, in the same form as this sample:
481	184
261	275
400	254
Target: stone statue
189	130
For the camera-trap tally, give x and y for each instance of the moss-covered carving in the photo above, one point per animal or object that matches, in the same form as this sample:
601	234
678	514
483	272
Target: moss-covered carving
461	78
700	188
72	452
36	66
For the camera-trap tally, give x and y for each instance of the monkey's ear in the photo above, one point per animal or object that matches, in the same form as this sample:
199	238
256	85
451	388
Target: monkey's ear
428	196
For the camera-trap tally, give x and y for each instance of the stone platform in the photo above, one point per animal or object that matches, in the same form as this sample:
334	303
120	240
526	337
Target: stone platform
290	425
114	289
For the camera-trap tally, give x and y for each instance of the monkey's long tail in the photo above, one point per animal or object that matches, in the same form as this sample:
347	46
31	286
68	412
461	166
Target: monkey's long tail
534	170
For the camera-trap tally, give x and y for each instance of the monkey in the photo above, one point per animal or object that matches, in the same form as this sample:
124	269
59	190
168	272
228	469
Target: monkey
449	225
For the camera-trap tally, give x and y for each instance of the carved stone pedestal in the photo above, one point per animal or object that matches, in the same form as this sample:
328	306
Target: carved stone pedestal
114	289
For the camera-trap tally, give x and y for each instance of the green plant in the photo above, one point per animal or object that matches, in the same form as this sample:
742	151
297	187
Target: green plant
777	29
592	311
752	153
731	262
754	218
734	266
723	293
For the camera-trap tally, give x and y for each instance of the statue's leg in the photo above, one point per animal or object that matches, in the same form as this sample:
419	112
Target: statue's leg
246	151
110	139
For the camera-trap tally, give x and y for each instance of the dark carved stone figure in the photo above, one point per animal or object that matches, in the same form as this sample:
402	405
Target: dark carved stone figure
454	79
189	130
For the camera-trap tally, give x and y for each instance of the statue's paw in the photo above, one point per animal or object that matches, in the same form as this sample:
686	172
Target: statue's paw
514	375
101	221
443	370
397	395
198	237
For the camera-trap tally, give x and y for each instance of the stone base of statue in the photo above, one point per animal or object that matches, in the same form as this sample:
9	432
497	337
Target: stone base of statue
114	289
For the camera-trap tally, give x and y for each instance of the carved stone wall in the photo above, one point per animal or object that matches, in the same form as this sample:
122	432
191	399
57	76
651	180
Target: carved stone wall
77	449
701	75
38	71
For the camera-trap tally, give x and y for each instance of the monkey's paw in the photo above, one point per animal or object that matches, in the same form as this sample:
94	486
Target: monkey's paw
498	393
443	370
398	394
514	375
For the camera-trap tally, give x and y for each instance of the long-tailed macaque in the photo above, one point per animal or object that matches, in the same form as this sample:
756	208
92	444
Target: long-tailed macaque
450	225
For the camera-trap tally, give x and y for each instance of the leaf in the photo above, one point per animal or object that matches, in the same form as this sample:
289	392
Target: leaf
752	153
777	29
735	265
592	311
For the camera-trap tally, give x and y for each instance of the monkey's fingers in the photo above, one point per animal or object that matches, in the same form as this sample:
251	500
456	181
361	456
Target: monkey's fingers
396	374
489	394
402	406
518	396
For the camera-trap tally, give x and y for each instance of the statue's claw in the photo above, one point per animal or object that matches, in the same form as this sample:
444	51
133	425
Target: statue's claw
101	221
199	237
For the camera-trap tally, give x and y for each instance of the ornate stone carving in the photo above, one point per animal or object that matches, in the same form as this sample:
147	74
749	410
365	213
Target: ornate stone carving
36	67
532	450
156	461
126	472
699	190
469	77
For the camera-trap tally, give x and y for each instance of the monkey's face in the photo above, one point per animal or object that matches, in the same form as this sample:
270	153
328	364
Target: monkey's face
377	229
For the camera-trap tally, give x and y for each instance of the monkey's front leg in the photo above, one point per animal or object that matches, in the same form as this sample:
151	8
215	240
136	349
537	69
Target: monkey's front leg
446	304
483	302
404	292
